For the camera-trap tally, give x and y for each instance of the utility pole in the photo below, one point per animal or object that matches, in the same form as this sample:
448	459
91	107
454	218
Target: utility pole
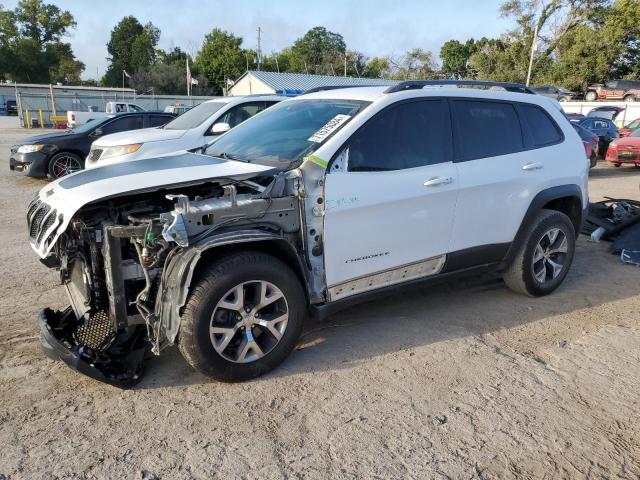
345	64
259	49
534	45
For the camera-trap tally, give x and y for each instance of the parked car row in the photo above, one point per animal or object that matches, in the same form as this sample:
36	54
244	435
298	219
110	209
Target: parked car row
132	136
625	90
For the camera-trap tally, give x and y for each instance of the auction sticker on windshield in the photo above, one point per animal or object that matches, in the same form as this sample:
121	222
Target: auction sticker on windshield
330	127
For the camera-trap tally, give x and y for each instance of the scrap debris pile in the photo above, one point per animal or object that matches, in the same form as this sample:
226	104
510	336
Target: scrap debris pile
618	221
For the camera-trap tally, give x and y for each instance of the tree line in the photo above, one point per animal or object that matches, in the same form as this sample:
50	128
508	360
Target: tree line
574	43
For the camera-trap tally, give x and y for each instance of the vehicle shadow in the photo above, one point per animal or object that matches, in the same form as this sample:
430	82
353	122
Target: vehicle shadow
424	315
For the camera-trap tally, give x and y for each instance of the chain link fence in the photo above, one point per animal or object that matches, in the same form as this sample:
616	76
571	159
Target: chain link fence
39	109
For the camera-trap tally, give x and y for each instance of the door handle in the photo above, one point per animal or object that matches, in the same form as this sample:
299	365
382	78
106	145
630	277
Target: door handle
532	166
436	181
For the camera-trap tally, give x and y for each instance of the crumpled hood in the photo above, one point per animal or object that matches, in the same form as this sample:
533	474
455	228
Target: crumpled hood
69	194
143	135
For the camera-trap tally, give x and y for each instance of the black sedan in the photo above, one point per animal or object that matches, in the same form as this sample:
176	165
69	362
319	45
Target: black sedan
59	154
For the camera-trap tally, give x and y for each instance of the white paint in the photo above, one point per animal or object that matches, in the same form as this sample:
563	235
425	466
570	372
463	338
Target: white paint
377	221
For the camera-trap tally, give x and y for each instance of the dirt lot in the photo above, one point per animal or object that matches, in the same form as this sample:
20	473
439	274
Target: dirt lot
467	380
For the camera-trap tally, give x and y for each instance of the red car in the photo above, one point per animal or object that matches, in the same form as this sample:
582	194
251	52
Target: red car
629	128
625	150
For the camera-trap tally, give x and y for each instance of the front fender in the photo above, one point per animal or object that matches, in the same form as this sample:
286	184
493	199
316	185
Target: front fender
178	275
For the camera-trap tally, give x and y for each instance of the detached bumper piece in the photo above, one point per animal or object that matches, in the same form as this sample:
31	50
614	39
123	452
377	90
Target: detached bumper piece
92	347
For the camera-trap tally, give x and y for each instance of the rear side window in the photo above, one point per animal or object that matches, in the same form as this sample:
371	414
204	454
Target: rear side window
485	129
123	124
540	129
159	120
408	135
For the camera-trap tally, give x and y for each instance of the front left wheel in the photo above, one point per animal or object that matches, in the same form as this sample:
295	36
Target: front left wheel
63	164
243	317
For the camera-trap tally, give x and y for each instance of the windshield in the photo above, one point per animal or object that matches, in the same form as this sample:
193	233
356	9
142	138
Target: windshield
194	117
633	125
635	133
286	132
90	125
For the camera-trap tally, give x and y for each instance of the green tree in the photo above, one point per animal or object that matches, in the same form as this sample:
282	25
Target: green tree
131	47
416	64
319	51
455	58
377	67
44	23
31	46
221	57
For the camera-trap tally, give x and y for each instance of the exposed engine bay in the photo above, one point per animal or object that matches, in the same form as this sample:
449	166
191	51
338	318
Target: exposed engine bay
126	262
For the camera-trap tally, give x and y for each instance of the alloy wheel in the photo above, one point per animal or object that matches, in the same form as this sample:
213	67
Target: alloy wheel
549	255
249	321
65	165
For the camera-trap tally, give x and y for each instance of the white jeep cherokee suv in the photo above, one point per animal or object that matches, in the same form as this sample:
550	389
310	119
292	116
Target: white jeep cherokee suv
193	129
320	201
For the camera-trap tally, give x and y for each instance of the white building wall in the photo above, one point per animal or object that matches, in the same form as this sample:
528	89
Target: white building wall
250	85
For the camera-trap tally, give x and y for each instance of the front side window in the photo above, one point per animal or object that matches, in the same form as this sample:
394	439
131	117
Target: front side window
195	117
407	135
485	129
284	134
238	114
612	84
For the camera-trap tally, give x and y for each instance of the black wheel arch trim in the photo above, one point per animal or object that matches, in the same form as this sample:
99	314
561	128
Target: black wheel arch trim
539	202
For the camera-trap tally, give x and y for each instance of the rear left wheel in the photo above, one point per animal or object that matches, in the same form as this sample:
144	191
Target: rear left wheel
544	258
243	317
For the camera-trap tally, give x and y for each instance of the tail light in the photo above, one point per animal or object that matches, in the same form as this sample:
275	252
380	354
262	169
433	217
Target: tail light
587	148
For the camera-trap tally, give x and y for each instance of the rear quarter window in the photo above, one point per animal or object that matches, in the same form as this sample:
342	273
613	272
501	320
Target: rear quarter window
539	128
485	129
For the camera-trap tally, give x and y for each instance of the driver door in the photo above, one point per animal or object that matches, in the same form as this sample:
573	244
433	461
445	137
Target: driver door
389	212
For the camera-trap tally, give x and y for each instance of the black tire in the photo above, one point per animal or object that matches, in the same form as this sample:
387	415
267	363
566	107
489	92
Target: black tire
593	160
56	167
222	276
591	96
630	98
617	165
520	275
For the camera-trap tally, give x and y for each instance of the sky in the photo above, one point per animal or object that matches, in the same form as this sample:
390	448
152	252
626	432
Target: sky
375	27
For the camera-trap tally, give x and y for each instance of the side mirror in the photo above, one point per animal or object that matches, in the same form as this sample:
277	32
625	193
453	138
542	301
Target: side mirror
98	132
220	128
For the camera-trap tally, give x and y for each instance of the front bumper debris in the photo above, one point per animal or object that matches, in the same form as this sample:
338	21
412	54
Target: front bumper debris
112	357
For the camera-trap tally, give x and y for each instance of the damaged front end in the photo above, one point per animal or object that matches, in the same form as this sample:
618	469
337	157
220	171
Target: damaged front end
127	262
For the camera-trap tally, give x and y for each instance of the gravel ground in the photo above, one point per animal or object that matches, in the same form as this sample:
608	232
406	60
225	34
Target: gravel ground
466	380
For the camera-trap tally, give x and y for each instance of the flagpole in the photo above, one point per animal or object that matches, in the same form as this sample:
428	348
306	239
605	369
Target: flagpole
123	85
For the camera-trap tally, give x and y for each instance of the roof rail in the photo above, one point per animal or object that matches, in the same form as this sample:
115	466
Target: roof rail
336	87
418	84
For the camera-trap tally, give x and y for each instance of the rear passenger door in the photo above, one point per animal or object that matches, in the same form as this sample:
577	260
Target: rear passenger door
501	165
391	206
